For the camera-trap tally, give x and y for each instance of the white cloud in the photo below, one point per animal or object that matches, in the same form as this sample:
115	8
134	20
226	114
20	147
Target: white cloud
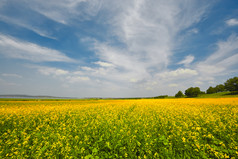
66	76
210	69
13	48
198	83
104	64
87	68
173	85
193	31
133	80
232	22
179	73
50	71
75	79
188	59
11	75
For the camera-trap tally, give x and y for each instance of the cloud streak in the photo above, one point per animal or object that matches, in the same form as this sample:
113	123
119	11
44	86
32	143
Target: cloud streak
223	60
14	48
66	11
188	59
11	75
29	24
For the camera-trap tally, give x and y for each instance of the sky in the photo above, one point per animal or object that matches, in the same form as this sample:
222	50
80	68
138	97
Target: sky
116	48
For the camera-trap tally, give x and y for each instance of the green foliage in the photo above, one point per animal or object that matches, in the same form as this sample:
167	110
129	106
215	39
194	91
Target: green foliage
211	90
192	92
162	96
220	88
202	92
232	84
179	94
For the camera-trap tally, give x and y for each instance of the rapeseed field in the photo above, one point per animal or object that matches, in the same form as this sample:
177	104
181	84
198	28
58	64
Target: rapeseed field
146	128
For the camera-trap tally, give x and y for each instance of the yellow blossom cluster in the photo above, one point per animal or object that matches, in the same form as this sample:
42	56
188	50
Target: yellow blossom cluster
143	128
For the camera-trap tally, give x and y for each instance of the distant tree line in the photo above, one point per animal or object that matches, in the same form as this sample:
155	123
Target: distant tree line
162	96
218	88
230	85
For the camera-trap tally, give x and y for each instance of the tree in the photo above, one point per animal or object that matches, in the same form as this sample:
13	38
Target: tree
179	94
231	84
211	90
220	88
202	92
192	92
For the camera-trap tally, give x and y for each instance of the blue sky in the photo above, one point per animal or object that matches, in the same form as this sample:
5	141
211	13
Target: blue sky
126	48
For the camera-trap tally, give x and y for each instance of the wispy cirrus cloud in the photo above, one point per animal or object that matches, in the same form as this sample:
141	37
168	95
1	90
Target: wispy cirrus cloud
14	48
11	75
222	62
148	33
26	18
146	30
65	11
188	59
128	48
5	83
225	50
27	24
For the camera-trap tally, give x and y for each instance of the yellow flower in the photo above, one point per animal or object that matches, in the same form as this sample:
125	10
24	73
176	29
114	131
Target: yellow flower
184	139
227	156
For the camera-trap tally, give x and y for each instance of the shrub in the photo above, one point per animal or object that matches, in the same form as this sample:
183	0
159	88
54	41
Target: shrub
179	94
192	92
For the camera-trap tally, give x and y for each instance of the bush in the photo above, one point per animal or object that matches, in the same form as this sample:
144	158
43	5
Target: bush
192	92
179	94
211	90
220	88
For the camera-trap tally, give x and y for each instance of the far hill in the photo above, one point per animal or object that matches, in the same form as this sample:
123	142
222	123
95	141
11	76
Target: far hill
31	97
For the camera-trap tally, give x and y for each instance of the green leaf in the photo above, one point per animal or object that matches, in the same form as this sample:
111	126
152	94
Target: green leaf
88	157
165	142
162	138
95	150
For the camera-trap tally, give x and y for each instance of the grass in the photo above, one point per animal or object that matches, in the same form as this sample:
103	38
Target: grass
219	95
